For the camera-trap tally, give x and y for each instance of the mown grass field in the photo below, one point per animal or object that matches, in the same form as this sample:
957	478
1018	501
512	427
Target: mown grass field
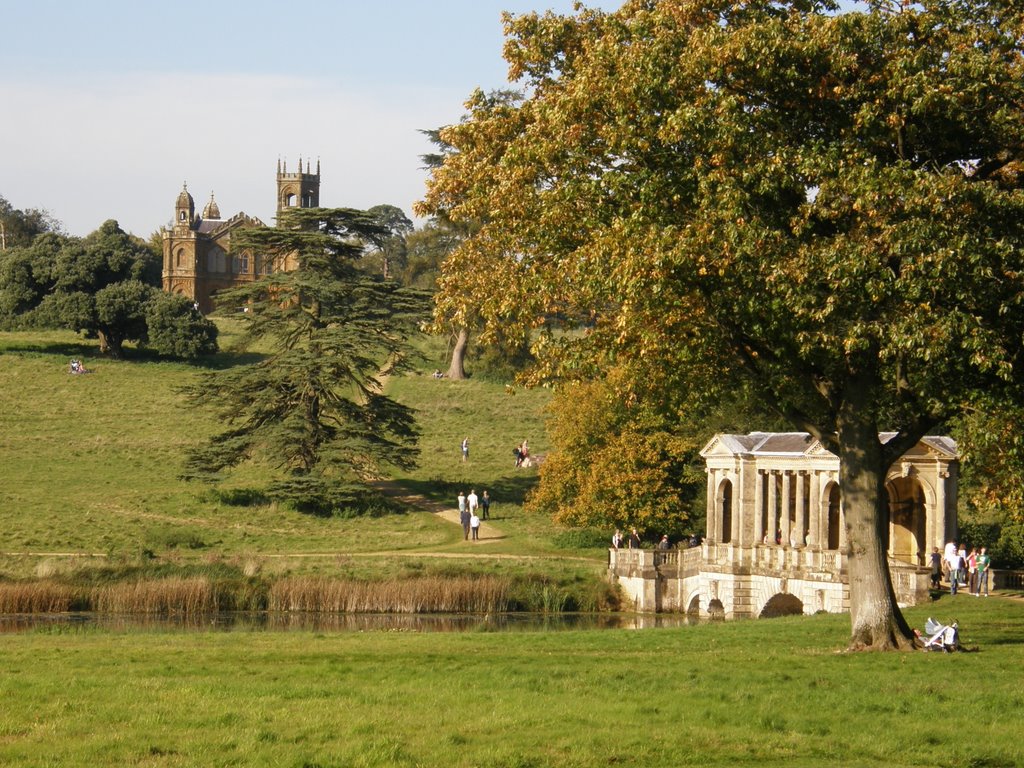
769	693
90	466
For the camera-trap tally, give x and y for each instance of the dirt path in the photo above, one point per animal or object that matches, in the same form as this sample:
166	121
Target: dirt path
488	532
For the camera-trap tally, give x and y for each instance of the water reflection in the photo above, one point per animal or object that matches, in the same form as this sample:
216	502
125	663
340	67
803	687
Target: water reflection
337	622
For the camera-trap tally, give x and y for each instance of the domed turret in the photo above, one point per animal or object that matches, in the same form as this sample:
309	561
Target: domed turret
211	211
184	208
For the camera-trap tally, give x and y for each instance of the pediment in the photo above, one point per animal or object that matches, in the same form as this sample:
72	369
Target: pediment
724	445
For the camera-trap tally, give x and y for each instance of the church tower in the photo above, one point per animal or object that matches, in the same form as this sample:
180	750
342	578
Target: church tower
297	190
198	258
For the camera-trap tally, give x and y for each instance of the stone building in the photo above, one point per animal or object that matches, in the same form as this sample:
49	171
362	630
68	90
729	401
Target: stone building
775	537
198	260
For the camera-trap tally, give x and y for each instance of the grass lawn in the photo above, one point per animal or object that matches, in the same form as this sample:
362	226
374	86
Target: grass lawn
768	692
91	463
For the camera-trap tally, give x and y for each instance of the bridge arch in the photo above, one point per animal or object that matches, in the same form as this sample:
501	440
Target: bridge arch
782	604
693	605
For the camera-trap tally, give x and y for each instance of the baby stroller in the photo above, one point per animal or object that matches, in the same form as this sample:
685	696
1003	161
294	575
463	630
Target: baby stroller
941	637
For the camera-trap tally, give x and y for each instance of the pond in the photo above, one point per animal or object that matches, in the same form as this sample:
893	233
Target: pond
339	622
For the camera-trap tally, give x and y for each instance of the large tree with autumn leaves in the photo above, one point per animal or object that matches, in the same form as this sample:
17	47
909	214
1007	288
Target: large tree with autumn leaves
824	207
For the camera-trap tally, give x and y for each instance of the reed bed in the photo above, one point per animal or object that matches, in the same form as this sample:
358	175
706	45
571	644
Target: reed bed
166	596
484	594
41	597
196	594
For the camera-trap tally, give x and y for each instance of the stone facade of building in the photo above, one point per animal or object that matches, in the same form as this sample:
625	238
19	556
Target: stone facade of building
775	540
198	260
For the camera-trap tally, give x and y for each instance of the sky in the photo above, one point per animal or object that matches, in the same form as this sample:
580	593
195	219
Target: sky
107	107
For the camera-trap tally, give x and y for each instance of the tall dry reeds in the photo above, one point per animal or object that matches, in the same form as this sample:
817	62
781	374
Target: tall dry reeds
41	597
172	595
422	595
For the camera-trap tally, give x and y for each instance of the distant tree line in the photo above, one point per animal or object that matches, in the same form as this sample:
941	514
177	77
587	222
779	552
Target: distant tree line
105	285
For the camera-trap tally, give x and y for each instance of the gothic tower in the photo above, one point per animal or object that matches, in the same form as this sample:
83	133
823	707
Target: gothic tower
301	189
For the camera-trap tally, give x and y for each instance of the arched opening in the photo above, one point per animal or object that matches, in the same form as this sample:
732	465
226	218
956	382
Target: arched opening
725	506
288	200
834	521
693	609
907	518
782	605
715	609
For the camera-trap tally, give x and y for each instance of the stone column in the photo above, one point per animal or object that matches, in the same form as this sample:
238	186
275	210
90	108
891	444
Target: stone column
801	513
814	537
936	521
842	519
758	506
772	506
712	513
785	511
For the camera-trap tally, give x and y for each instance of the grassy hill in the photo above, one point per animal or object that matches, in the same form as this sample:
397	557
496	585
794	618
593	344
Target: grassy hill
91	463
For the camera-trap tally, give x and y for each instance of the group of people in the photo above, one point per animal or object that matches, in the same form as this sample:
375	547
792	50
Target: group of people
522	454
634	542
469	506
961	568
77	367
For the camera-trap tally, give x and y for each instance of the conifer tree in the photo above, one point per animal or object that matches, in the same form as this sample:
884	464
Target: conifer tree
313	406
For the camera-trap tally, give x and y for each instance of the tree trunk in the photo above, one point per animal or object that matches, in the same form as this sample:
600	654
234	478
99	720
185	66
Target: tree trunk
877	623
110	344
457	369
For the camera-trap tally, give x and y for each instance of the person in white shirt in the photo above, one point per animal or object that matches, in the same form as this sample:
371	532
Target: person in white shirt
953	561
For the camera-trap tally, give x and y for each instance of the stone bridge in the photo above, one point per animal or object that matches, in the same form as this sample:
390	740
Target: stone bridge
732	581
775	537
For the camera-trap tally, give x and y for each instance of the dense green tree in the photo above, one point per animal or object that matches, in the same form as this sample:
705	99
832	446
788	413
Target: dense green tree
103	285
174	327
313	406
20	228
387	250
826	208
26	274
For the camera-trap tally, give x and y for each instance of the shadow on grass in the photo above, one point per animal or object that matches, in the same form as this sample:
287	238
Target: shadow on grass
506	490
89	352
80	349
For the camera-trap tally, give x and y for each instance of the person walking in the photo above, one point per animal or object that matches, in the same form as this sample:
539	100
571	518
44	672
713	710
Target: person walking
953	561
983	564
472	501
485	506
466	519
465	449
474	525
936	562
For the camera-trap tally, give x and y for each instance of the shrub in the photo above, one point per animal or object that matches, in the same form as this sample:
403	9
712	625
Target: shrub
177	329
